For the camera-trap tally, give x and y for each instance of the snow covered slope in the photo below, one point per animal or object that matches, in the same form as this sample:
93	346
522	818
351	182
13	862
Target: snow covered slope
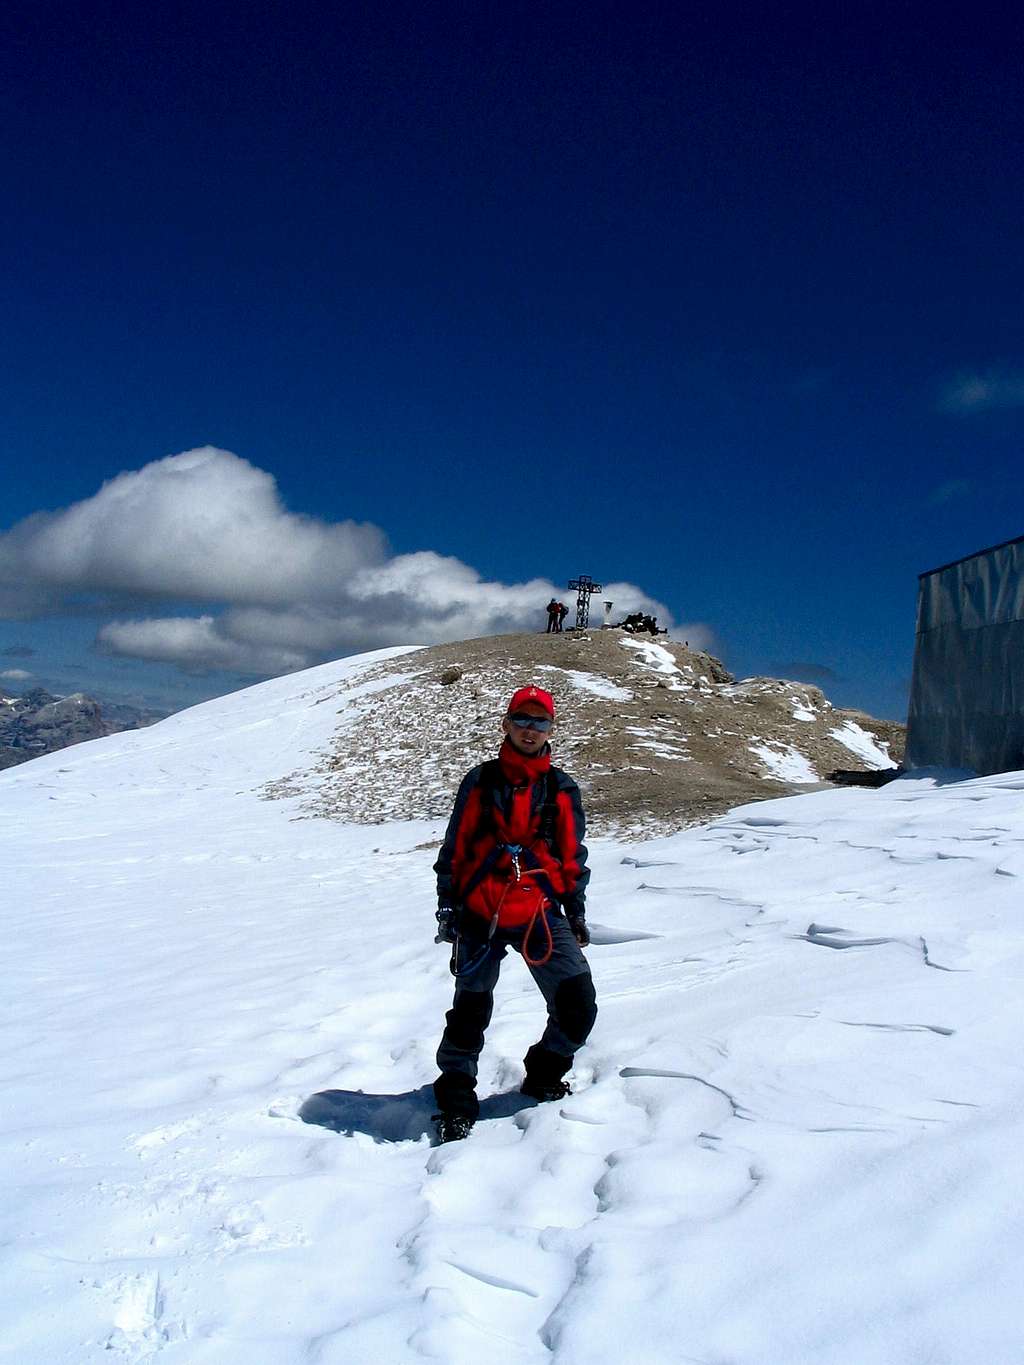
795	1136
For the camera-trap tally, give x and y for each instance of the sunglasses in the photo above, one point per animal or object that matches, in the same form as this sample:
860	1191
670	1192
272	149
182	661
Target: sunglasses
541	723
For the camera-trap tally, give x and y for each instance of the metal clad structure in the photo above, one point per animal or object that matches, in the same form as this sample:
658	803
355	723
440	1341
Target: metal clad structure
967	693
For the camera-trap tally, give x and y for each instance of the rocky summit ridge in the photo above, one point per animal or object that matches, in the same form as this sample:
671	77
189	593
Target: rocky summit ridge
658	735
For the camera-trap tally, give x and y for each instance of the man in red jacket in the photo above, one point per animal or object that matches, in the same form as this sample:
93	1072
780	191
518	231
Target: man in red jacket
512	873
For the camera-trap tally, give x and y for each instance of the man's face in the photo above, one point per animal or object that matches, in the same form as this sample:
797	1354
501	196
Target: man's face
527	741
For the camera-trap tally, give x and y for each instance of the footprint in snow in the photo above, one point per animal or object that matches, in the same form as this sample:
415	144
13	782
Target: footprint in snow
138	1315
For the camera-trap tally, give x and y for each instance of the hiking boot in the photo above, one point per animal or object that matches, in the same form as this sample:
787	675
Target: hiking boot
452	1127
544	1072
545	1090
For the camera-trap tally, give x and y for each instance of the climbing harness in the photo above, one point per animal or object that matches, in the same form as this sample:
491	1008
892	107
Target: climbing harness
515	852
521	859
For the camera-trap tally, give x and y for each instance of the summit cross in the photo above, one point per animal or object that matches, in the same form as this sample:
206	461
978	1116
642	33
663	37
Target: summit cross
584	586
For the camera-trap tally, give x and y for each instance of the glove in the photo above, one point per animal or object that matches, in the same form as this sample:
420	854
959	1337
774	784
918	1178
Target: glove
447	924
578	924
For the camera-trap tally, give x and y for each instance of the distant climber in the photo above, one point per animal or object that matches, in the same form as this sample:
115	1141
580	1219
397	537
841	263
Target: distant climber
553	619
563	612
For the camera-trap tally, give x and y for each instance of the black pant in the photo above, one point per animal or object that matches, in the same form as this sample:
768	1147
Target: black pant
567	987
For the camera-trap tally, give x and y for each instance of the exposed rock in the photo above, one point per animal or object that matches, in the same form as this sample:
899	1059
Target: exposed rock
38	723
451	674
857	777
658	736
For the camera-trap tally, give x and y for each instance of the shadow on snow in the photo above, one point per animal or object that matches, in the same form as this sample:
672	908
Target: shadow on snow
395	1118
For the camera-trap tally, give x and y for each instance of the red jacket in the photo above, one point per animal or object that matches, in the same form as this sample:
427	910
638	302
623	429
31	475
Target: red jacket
501	806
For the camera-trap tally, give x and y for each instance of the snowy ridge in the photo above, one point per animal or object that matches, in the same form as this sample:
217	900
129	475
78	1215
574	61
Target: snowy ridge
794	1137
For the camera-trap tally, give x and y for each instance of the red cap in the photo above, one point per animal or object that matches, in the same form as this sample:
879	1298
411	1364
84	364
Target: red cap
536	694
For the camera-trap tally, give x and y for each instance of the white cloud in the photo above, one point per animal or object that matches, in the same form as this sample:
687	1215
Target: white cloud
210	528
201	526
195	643
981	392
15	675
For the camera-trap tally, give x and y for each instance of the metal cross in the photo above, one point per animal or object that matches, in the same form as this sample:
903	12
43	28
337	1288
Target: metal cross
584	586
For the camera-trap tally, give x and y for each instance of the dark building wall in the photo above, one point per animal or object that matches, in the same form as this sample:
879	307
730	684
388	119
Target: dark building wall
967	694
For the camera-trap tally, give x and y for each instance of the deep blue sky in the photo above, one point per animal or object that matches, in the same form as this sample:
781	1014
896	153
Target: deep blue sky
722	303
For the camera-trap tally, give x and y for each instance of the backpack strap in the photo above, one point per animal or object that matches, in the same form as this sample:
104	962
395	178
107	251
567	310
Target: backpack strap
490	776
549	810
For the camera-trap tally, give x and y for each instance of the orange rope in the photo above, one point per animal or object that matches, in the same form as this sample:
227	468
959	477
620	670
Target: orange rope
540	961
530	962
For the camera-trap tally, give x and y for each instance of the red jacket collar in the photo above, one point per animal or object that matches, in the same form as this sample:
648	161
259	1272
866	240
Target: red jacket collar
523	769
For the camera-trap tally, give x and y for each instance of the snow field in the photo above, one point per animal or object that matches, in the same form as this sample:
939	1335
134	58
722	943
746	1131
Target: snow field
794	1136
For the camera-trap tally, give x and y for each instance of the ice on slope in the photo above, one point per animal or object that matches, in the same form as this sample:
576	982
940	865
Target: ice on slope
593	683
659	660
784	1145
855	738
785	762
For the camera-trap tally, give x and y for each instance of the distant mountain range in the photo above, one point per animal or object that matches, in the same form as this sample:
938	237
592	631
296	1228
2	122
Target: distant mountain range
39	723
